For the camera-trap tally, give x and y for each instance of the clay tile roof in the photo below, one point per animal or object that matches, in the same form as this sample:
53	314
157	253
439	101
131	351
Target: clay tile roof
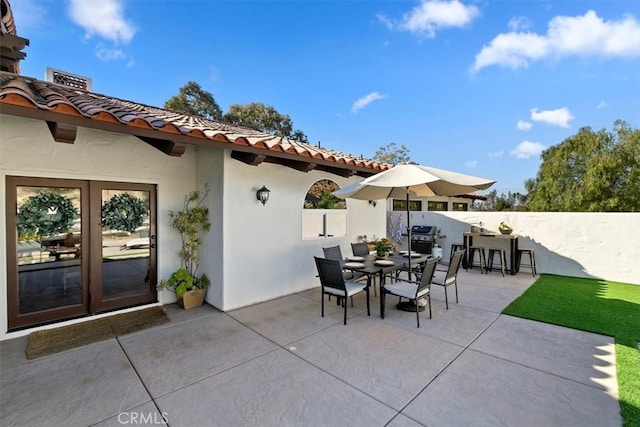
7	24
22	96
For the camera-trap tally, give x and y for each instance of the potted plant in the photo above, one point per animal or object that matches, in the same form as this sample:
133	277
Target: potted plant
383	247
192	223
190	290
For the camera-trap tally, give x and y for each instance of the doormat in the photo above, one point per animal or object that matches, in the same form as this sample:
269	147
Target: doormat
50	341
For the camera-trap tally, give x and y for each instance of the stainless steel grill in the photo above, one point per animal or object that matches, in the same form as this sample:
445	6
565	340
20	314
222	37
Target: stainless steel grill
422	238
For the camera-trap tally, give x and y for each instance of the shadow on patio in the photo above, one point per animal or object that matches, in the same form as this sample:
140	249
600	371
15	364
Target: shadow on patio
280	363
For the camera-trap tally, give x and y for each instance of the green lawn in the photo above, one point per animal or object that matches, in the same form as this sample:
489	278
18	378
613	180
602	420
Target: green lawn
599	306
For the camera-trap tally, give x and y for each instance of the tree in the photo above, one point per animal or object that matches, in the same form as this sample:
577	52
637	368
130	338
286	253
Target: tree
195	101
589	172
392	155
503	202
263	118
320	196
300	136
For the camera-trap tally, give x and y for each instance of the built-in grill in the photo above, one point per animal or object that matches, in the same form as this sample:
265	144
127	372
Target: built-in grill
422	238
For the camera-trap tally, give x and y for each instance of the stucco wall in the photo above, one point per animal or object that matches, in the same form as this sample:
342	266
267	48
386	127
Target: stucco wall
253	252
596	245
264	253
27	149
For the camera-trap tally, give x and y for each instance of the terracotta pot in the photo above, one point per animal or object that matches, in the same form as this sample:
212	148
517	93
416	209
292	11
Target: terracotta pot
192	299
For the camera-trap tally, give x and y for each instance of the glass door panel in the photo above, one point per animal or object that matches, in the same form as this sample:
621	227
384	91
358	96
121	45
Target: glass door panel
126	240
46	266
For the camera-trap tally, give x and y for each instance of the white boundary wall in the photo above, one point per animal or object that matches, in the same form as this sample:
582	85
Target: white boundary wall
596	245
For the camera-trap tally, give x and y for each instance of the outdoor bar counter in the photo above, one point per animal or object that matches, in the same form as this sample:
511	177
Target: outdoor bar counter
513	247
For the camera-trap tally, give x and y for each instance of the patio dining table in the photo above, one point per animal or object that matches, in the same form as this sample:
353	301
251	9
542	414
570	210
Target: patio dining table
372	269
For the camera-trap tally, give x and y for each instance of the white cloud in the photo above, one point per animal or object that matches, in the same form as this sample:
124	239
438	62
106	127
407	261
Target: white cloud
527	149
559	117
366	100
518	23
105	54
471	164
104	18
497	153
432	15
522	125
602	104
586	35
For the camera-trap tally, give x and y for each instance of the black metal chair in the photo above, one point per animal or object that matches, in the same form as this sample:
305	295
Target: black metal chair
360	249
412	290
449	277
335	253
333	283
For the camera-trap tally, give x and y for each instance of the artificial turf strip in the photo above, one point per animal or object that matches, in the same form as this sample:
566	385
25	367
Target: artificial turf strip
599	306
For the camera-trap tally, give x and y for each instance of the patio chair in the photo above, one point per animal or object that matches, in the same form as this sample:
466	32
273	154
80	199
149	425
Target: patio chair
360	249
333	283
335	253
412	290
449	277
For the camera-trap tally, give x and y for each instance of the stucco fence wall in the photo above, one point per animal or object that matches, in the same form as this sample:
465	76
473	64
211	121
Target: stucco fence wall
595	245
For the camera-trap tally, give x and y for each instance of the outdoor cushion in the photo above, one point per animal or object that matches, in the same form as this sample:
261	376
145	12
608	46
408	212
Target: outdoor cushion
405	289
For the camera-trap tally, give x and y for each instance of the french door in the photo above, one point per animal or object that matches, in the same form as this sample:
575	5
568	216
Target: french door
76	248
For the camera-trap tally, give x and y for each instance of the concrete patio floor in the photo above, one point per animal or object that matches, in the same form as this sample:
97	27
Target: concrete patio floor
279	363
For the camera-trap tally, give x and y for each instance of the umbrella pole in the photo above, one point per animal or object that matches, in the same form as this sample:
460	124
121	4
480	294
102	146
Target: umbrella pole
409	233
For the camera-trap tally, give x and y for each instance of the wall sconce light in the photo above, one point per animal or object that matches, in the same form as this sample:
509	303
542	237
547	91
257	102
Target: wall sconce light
263	195
373	203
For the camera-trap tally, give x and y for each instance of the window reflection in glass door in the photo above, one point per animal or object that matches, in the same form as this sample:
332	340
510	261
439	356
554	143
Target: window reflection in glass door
48	248
125	243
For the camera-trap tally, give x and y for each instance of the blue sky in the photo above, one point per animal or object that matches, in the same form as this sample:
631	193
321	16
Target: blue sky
478	87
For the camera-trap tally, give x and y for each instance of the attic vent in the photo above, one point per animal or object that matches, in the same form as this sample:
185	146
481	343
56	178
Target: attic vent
64	78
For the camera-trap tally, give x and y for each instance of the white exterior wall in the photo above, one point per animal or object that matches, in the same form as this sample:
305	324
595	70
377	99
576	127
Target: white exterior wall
597	245
264	254
28	149
253	252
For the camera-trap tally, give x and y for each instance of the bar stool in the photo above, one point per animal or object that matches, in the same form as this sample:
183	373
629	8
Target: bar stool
483	260
503	259
532	260
455	247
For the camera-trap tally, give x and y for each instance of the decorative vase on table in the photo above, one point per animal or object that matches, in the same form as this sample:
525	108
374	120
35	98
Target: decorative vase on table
382	255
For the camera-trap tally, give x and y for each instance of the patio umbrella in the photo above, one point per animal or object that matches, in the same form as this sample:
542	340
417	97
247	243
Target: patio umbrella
412	181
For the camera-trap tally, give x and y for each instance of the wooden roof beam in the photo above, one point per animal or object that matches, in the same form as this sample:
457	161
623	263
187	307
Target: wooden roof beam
251	159
299	166
63	132
346	173
171	148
